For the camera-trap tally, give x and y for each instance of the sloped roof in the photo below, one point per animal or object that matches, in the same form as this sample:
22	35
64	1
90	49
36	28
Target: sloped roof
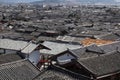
58	47
110	37
79	51
35	33
57	73
18	70
28	49
6	58
102	65
95	33
88	51
112	47
94	48
12	44
45	38
24	47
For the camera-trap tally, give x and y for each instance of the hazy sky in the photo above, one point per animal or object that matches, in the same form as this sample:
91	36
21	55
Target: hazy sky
18	0
31	0
117	0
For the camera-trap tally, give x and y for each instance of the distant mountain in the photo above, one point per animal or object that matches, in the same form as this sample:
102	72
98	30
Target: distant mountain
60	1
77	1
48	1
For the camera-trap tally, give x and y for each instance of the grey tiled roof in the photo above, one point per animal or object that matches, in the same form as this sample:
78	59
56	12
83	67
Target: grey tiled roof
110	47
24	47
36	34
87	52
94	48
110	37
57	73
12	44
19	70
45	38
6	58
58	47
102	65
28	49
70	38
